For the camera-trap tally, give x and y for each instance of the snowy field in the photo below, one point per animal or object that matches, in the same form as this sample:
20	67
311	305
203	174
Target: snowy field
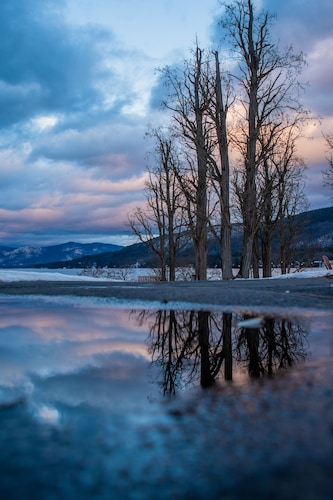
130	274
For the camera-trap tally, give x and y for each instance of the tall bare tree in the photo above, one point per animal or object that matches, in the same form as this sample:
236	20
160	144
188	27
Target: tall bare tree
267	80
189	98
200	108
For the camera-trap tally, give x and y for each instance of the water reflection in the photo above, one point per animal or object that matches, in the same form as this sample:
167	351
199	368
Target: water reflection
56	353
276	344
192	347
116	359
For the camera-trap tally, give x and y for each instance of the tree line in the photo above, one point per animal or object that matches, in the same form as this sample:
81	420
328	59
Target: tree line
229	151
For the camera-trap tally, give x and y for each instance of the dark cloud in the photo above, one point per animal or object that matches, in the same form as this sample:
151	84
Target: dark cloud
46	65
53	68
307	27
159	93
300	22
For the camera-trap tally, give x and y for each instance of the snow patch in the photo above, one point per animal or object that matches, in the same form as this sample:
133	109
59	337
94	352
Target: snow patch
9	275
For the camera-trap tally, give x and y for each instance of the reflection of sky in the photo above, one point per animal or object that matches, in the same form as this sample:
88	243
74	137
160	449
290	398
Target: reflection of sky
72	355
55	352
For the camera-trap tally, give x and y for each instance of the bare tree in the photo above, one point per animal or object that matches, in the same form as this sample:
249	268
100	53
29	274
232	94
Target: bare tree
199	106
267	80
149	225
161	225
189	98
280	186
171	194
273	346
190	347
292	201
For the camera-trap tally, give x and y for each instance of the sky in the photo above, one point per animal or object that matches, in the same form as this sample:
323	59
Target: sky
78	87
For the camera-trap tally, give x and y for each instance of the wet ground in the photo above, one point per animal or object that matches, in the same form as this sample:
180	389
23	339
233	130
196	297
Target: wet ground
101	397
288	293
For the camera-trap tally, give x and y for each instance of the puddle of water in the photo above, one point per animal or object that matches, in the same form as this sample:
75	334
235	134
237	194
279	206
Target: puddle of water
122	359
86	388
118	359
51	352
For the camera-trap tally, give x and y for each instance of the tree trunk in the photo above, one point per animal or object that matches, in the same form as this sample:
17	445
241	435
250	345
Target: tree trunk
226	253
221	129
227	345
201	195
250	195
206	377
172	252
201	219
255	258
266	243
201	259
246	258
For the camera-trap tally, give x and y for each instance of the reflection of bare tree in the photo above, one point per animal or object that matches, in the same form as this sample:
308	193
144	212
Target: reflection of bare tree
206	376
172	344
191	346
227	345
214	335
188	346
276	344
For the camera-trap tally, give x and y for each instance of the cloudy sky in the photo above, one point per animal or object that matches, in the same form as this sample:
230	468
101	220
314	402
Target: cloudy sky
76	85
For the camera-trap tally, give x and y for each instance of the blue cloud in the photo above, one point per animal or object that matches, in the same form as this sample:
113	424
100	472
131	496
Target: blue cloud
47	66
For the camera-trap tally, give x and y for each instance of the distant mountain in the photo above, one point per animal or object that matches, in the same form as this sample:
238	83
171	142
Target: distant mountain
31	256
316	234
315	238
137	254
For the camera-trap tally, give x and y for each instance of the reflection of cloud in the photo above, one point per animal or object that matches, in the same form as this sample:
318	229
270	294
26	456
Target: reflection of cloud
113	380
47	415
61	354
